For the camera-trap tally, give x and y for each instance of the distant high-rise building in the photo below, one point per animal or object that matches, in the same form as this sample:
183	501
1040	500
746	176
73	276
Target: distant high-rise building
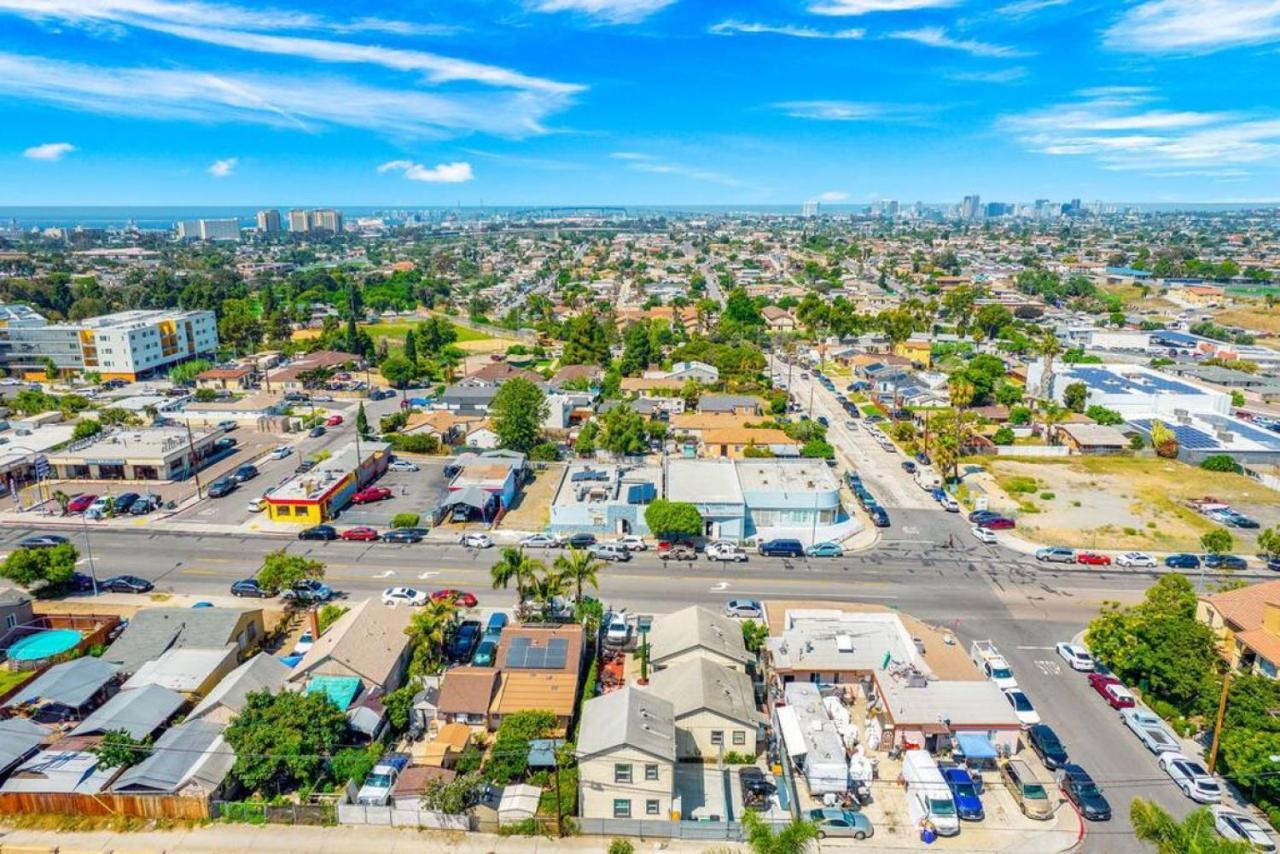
269	221
892	208
810	209
188	229
209	229
998	209
971	208
299	221
326	219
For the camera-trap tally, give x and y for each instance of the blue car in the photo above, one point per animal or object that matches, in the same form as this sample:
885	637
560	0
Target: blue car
1182	561
497	622
827	549
964	793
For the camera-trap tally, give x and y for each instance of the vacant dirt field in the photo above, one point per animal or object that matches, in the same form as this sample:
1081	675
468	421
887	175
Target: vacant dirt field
1256	317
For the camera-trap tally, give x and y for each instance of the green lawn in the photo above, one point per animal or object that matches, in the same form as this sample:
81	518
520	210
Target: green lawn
10	679
395	330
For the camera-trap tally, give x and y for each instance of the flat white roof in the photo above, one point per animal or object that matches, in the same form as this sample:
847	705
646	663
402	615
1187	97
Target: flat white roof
703	482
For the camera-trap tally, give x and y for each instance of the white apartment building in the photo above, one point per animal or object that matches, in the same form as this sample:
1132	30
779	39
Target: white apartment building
209	229
125	345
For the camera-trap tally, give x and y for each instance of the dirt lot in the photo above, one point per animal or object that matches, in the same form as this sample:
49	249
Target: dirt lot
532	508
1256	317
1120	502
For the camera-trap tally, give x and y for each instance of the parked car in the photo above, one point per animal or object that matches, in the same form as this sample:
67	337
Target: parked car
748	608
333	421
222	487
617	628
227	426
632	542
984	535
997	523
581	541
280	452
376	788
678	550
1022	707
1182	561
1045	742
461	597
464	640
477	541
124	501
319	532
781	548
978	515
316	432
1135	559
879	516
1029	793
725	551
125	584
825	549
757	788
841	823
43	541
405	535
964	793
1112	690
249	589
1056	554
909	466
1239	827
81	502
1076	656
609	551
1150	730
144	505
1093	559
485	652
308	590
1231	562
370	494
540	541
1080	789
306	465
1191	777
401	465
404	596
360	534
949	504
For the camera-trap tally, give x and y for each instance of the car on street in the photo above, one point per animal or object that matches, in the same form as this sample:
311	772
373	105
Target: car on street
43	541
1045	742
316	432
841	823
81	502
125	584
1076	656
581	541
370	494
1150	730
404	596
540	541
333	421
222	487
466	600
984	534
1112	690
249	588
360	534
997	523
678	550
825	549
909	466
978	515
227	426
144	505
1182	561
1080	789
1239	827
405	535
309	590
1056	554
632	542
609	551
726	552
746	608
1135	559
1022	707
879	516
781	548
1093	559
949	504
964	793
1191	777
401	465
306	465
1232	562
280	452
244	472
123	502
257	505
319	532
477	541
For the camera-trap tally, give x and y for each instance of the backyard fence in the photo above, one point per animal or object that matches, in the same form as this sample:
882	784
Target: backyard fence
401	815
103	805
261	812
706	831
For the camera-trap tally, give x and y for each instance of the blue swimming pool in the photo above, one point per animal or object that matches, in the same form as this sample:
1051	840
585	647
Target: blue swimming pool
44	644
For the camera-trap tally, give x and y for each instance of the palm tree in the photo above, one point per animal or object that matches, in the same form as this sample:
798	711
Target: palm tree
1048	347
515	566
791	839
579	567
429	629
961	392
1195	834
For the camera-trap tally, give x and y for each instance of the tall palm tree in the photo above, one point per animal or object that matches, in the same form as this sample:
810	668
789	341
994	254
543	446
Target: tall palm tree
1048	347
578	567
429	629
515	566
763	838
1195	834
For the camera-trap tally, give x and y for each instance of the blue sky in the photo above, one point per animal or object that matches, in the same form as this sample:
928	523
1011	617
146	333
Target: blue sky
637	101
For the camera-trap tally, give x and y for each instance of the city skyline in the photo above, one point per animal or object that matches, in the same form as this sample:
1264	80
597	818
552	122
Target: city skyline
638	102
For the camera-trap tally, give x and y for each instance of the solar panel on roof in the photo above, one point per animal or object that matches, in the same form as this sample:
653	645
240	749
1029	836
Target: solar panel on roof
556	652
526	655
518	653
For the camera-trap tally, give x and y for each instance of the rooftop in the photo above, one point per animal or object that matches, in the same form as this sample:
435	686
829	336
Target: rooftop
312	485
624	718
703	481
134	443
588	483
786	476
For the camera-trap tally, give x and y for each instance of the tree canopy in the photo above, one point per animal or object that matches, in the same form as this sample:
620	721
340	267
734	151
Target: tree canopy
673	518
282	740
281	570
40	567
517	413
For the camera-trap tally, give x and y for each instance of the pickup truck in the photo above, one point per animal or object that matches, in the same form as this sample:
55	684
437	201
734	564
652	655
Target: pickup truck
1150	730
377	786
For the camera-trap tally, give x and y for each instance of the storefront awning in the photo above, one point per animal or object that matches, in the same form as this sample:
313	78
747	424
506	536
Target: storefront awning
975	745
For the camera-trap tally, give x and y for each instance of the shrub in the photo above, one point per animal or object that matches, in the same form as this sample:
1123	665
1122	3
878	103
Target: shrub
329	615
735	758
405	520
413	443
1047	496
1019	484
1218	462
1003	436
547	452
621	846
1131	532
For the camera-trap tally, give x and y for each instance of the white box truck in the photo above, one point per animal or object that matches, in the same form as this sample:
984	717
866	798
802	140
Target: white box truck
992	665
928	796
928	479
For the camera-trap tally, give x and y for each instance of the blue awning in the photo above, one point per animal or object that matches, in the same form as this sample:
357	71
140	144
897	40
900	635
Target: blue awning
975	745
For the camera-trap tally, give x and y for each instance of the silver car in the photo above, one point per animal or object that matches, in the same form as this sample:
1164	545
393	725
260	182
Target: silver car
747	608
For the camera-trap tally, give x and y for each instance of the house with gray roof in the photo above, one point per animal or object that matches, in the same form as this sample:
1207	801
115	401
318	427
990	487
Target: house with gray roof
189	760
56	771
263	672
71	685
19	739
137	711
626	756
736	404
714	707
697	632
154	631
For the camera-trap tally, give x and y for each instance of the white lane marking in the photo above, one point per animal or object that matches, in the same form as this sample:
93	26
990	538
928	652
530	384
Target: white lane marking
387	574
716	588
1049	668
1036	647
424	576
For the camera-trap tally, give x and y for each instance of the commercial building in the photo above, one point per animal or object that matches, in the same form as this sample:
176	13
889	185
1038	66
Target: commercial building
604	498
140	453
320	219
313	497
125	345
269	221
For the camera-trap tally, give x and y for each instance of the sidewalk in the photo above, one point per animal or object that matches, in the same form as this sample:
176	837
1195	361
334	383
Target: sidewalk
1013	542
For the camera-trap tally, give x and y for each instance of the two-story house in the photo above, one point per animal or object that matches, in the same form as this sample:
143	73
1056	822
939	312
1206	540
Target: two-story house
626	756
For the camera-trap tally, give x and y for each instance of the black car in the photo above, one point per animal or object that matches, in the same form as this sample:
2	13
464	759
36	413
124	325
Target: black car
224	444
245	472
879	516
1273	564
248	587
781	548
125	584
124	501
822	419
404	535
581	541
305	466
221	487
318	532
144	505
1225	562
80	582
317	431
464	640
757	788
1081	791
43	541
1045	742
908	466
923	459
979	515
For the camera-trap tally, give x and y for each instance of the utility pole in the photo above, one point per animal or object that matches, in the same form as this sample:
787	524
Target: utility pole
555	755
1217	726
195	466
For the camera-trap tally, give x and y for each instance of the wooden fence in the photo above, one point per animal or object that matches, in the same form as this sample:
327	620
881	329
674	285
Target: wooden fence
131	806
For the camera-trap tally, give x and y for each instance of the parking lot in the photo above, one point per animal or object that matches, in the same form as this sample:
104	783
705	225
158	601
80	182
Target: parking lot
413	492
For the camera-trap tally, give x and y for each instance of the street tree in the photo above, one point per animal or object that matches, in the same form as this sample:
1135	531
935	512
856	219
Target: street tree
285	739
515	567
517	413
1217	542
1074	396
673	518
578	567
1194	834
429	631
362	421
281	570
42	567
398	371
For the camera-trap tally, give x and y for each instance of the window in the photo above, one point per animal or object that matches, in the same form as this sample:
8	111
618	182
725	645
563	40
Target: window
622	773
11	621
717	736
621	808
651	807
651	772
739	736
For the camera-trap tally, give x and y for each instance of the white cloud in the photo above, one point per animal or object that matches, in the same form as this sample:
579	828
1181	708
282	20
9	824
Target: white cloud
288	100
443	173
732	28
833	196
610	11
1023	8
938	37
841	111
865	7
1194	26
48	151
223	168
639	162
1007	75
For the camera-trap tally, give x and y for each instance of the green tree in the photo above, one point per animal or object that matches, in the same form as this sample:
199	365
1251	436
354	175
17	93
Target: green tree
281	570
85	429
624	431
508	760
1269	542
1003	436
238	325
354	763
586	342
435	334
754	634
411	347
51	371
1217	542
515	567
187	371
455	796
1074	396
398	371
517	413
578	567
283	740
1195	834
763	838
362	421
40	567
429	631
1218	462
673	519
399	704
1103	415
636	354
119	749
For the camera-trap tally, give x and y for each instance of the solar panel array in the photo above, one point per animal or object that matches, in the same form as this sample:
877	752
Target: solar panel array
524	654
1265	438
1188	437
1112	383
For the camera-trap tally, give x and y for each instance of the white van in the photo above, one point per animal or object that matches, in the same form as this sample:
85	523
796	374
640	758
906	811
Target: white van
928	796
928	479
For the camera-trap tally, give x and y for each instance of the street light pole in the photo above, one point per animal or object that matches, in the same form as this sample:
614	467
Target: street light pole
88	547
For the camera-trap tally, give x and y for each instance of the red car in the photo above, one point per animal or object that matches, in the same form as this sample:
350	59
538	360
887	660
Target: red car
371	493
681	550
997	523
1112	690
334	421
1093	559
81	502
360	533
463	598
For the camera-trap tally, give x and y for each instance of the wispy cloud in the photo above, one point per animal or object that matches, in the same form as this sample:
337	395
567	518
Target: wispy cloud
940	38
640	162
1023	8
224	167
1194	26
833	196
844	111
866	7
733	28
49	151
1007	75
443	173
609	11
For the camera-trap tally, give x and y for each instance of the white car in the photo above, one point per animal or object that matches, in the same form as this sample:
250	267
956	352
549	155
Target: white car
1075	655
401	465
257	505
632	542
747	608
540	541
279	453
985	535
304	643
1239	827
1135	559
404	596
950	504
725	552
1190	776
477	541
617	630
1022	707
